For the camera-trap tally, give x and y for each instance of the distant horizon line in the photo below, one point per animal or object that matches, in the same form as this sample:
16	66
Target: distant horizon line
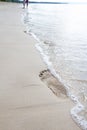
50	2
43	2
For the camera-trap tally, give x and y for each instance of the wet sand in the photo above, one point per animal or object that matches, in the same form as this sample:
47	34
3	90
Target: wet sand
26	103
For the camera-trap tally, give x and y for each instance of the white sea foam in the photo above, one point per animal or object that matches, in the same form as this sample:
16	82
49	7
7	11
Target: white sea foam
80	120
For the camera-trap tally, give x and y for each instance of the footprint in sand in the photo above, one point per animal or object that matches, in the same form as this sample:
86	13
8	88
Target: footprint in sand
52	82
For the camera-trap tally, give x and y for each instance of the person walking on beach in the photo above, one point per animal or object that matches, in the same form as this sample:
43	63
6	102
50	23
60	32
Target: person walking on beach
25	2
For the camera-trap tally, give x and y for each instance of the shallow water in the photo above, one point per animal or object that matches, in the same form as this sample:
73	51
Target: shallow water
62	33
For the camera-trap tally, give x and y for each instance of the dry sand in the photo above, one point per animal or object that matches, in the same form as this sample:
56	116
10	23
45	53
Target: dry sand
26	103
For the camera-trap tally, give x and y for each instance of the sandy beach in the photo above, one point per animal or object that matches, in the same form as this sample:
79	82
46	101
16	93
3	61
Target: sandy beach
26	102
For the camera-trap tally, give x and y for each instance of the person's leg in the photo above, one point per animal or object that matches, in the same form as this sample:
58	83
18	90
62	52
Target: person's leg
27	2
23	3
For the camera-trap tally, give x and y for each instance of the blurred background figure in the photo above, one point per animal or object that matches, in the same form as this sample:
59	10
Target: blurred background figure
25	3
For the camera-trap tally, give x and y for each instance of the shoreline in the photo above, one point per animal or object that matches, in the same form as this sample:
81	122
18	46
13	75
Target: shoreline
26	102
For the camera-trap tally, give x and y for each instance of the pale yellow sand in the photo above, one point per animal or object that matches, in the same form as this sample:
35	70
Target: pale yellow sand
26	103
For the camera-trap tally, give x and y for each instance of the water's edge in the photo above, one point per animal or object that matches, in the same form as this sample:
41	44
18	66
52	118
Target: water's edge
80	120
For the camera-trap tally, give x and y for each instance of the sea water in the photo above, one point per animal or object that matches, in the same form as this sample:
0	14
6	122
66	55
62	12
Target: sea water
61	30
